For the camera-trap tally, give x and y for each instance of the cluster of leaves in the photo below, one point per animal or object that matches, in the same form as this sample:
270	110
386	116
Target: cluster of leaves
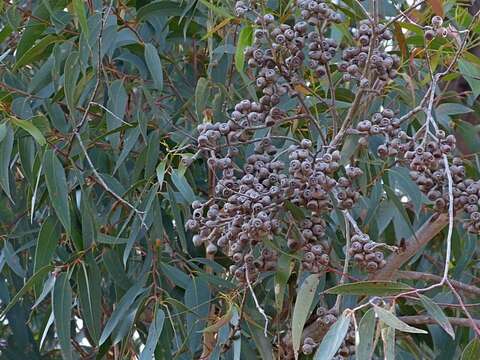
100	103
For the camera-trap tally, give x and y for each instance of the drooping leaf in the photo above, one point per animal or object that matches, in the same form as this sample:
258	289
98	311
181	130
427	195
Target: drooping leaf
301	310
71	73
62	309
79	8
6	147
388	337
333	338
57	188
154	332
38	276
391	320
154	65
366	332
201	95
47	241
29	126
244	40
120	310
437	313
89	289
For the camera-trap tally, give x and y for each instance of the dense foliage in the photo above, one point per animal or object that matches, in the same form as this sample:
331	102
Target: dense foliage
202	179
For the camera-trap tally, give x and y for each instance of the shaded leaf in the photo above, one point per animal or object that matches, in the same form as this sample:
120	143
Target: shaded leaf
391	320
62	305
29	126
6	147
79	8
244	40
201	95
371	288
120	310
154	332
154	65
366	332
333	339
57	188
38	276
304	301
437	313
90	293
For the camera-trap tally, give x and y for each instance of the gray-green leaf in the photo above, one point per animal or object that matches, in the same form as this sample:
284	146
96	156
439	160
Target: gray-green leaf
154	65
154	332
333	339
391	320
435	312
57	187
301	310
366	330
62	304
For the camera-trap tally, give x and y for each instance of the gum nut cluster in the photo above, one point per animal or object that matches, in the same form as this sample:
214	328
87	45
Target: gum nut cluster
467	199
244	212
436	30
364	252
327	318
384	123
382	64
347	195
315	248
427	169
311	178
317	12
241	8
320	51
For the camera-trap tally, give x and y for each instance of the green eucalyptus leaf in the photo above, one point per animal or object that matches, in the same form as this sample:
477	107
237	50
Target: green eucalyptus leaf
57	188
302	307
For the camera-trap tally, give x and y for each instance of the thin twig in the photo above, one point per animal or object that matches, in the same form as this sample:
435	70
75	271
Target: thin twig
465	310
347	258
416	275
257	304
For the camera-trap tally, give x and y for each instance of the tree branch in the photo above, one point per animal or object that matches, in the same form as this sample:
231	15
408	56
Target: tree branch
426	320
414	275
427	231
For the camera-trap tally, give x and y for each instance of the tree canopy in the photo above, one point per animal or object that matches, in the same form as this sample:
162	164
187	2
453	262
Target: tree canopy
265	179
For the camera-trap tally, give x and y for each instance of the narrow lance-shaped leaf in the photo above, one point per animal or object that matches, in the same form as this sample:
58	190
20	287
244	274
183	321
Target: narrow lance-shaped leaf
333	339
372	288
62	310
120	310
88	281
79	8
29	127
435	312
47	241
57	187
154	332
71	73
28	285
244	40
6	147
301	310
366	332
154	65
391	320
201	95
